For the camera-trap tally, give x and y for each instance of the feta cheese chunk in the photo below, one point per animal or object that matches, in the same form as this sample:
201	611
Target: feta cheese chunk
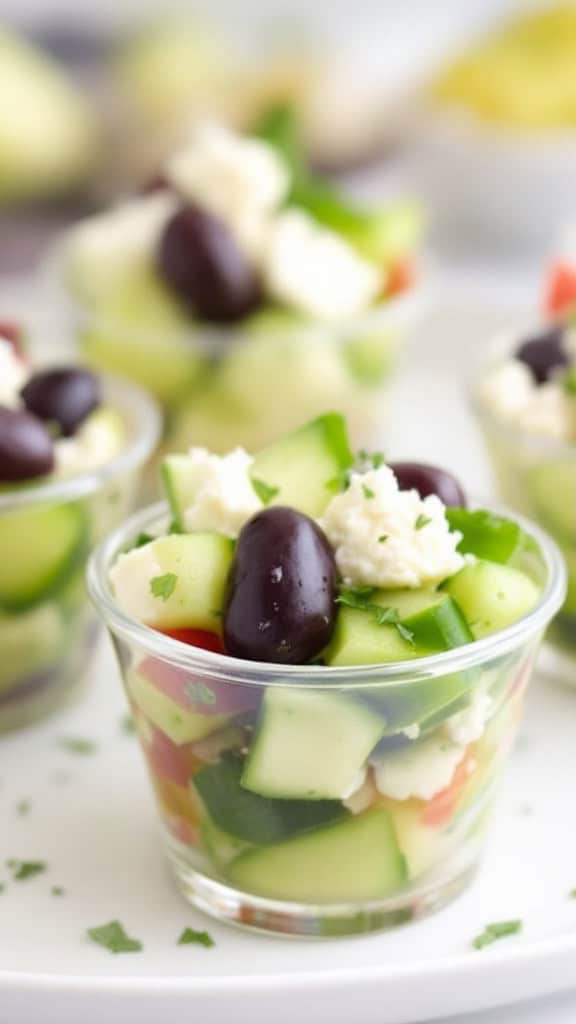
99	439
131	589
224	498
419	547
240	180
313	270
421	770
510	392
468	725
13	375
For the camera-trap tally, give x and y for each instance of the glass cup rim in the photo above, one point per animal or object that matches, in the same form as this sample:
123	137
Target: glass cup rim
502	345
240	671
120	394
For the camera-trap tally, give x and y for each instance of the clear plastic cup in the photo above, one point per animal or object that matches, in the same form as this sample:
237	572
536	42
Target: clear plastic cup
537	476
251	383
321	866
47	626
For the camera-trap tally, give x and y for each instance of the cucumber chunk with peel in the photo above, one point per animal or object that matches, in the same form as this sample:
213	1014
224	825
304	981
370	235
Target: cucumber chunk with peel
492	596
39	547
310	745
177	722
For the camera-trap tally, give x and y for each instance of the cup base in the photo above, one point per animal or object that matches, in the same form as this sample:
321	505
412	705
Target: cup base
297	920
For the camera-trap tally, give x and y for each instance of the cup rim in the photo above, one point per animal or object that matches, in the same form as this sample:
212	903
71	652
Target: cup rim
124	396
544	446
236	670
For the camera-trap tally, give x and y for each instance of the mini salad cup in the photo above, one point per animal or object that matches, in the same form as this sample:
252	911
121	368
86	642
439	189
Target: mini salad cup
47	629
537	476
314	864
250	383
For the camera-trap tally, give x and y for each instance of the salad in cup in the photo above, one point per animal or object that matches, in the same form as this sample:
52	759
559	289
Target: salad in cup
325	657
71	449
246	294
526	403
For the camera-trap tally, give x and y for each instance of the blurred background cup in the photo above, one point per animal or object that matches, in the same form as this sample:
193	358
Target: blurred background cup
47	630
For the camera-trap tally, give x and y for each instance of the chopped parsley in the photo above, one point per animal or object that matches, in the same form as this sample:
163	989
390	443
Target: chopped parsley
405	633
23	869
572	894
382	538
190	937
498	930
113	938
127	725
23	808
356	597
163	586
385	616
2	887
57	890
422	521
360	598
78	745
370	460
142	539
264	491
367	491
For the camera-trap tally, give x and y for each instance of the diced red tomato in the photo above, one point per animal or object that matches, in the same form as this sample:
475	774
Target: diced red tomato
439	810
560	295
197	638
400	277
12	332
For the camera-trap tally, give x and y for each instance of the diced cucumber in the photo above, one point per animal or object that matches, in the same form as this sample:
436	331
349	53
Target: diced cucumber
305	464
354	860
39	546
359	640
438	625
30	642
175	581
253	818
221	847
428	701
492	596
485	534
177	722
371	354
423	847
552	491
310	745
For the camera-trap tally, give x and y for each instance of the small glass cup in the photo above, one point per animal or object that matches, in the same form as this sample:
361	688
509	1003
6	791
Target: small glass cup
251	383
47	628
537	476
321	867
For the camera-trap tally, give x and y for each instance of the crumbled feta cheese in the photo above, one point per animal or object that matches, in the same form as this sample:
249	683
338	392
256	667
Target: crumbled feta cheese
126	235
420	770
313	270
362	797
468	725
510	392
13	375
411	732
130	576
97	441
240	180
224	498
419	549
356	784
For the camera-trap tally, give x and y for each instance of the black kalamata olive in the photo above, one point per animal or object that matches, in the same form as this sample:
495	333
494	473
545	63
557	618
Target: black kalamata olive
26	448
280	603
201	261
62	395
544	353
429	480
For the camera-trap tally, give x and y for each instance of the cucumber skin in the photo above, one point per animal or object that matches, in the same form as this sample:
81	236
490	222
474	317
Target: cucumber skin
78	551
253	818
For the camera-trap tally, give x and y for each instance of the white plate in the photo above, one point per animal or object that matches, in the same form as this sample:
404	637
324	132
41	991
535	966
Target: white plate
94	826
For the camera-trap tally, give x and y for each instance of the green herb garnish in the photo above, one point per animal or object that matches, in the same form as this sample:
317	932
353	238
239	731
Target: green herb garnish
572	894
405	633
570	382
367	491
356	597
190	937
23	808
498	930
78	745
360	598
382	538
127	725
264	491
57	890
422	521
113	937
23	869
163	586
142	539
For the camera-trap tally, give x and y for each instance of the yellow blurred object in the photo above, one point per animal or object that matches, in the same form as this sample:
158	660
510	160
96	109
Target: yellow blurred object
49	139
523	76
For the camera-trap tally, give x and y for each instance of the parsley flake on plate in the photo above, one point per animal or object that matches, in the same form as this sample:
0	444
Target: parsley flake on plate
78	745
23	869
163	586
113	937
127	726
190	937
495	931
23	807
57	890
367	491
